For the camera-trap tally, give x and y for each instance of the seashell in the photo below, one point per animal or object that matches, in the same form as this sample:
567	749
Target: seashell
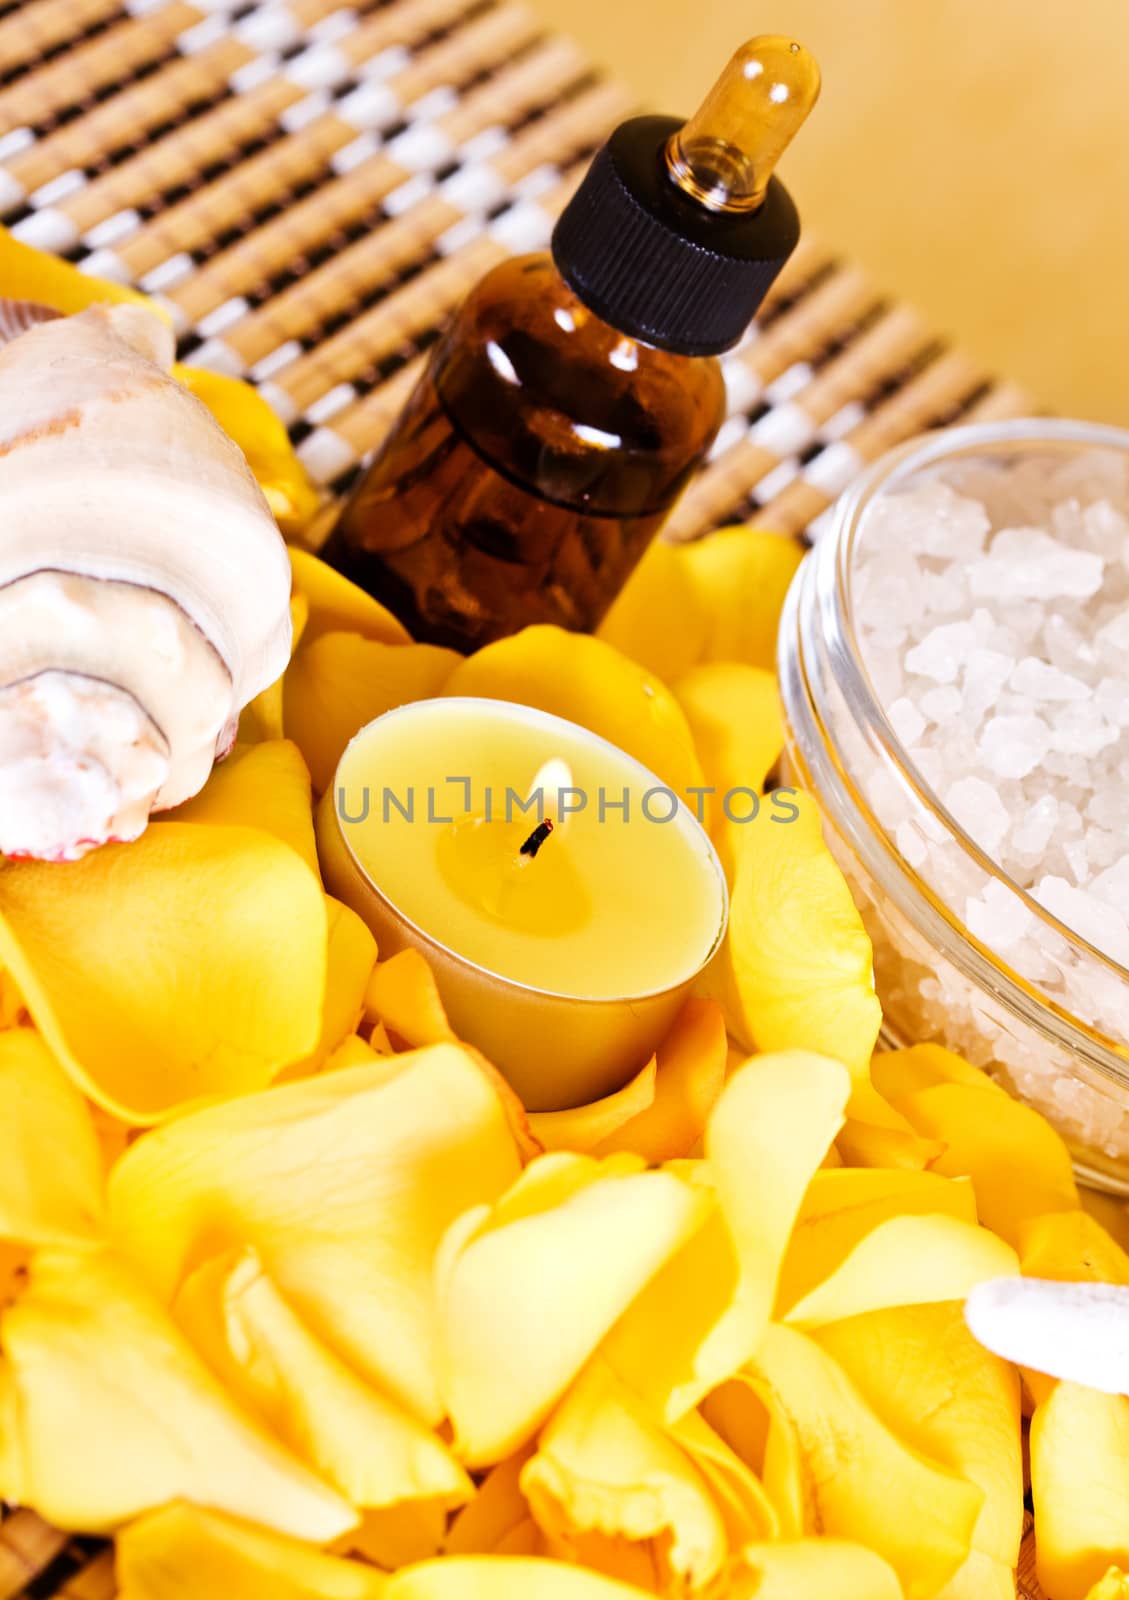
144	586
17	316
1078	1332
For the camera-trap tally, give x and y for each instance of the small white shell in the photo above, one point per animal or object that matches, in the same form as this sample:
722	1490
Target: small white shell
1074	1331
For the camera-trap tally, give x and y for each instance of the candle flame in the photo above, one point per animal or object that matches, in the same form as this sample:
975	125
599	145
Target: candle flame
554	776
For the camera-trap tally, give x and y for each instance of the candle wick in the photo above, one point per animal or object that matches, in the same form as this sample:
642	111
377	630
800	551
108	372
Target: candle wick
537	838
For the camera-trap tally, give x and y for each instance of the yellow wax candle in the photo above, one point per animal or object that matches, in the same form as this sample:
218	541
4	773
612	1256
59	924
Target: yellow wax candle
565	898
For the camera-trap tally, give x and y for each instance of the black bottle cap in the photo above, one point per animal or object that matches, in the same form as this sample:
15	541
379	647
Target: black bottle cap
655	264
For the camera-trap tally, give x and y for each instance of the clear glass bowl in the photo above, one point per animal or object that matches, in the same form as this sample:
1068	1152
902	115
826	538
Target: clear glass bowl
1057	1037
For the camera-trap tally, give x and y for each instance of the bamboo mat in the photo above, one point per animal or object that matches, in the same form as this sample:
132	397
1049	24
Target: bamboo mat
310	186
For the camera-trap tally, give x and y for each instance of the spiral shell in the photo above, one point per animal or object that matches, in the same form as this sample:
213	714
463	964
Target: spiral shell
144	587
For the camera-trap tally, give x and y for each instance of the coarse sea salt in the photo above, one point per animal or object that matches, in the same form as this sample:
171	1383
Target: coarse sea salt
1007	583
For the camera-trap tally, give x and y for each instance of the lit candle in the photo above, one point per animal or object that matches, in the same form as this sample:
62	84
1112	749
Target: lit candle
564	897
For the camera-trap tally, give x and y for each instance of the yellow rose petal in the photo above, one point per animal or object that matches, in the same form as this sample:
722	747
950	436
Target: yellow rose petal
260	786
181	1553
338	682
735	718
98	1367
403	1002
13	1011
503	1578
51	1183
585	1127
841	1207
747	1414
345	1184
691	1298
1080	1486
246	417
658	619
865	1144
768	1133
349	965
30	274
354	1052
906	1261
601	1467
746	1508
14	1262
739	577
813	1569
872	1196
261	720
867	1486
944	1099
398	1535
1071	1247
801	959
981	1578
771	1129
898	1074
688	1082
186	965
925	1376
576	676
1114	1586
348	1432
403	995
337	606
527	1292
1106	1209
498	1513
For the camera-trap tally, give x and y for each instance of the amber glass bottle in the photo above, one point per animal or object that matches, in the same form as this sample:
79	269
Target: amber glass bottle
574	394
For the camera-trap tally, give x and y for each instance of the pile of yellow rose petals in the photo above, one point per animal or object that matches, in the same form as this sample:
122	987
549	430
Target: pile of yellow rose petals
300	1304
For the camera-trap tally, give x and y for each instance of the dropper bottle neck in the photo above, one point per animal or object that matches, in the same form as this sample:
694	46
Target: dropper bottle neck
724	157
679	229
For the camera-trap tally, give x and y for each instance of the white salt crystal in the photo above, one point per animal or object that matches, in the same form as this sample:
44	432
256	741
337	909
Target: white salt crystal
1112	886
977	807
1106	808
998	917
945	591
985	673
943	651
1080	730
942	704
1099	924
931	518
1032	834
1077	853
1107	530
911	845
1066	647
1028	562
1115	633
906	721
1112	699
1042	681
1014	746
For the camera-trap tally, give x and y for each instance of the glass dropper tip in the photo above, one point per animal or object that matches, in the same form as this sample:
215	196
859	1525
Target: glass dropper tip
725	155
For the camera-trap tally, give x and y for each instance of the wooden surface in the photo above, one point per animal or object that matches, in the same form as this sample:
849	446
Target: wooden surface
310	187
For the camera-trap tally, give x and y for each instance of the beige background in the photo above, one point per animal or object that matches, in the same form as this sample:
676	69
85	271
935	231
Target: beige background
974	154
